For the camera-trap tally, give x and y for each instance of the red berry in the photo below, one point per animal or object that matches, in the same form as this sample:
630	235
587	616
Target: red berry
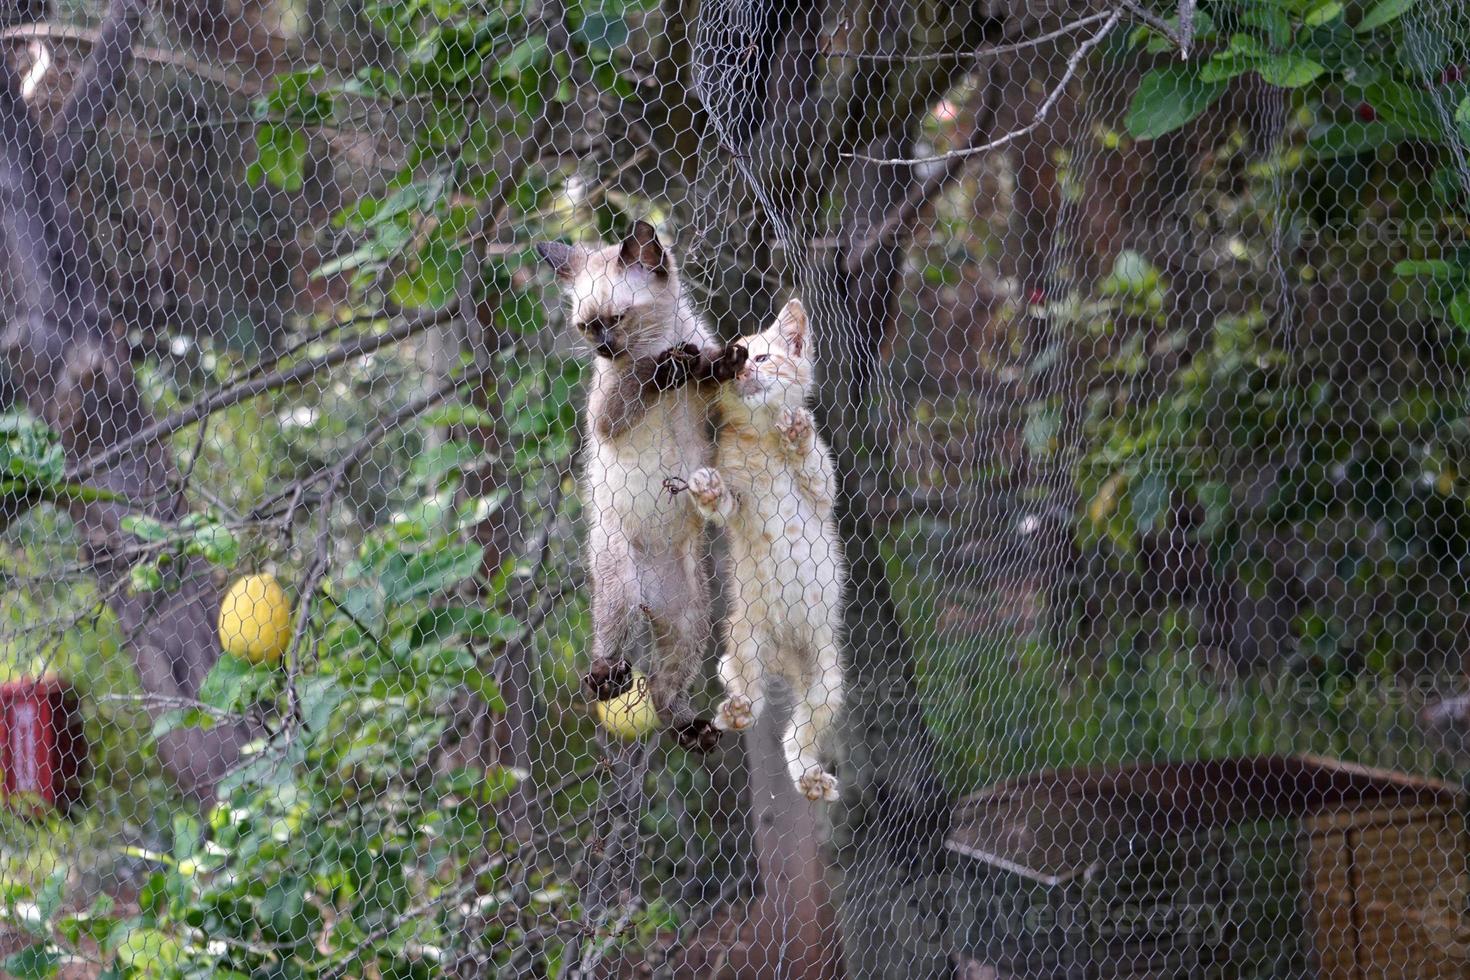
1366	112
1451	75
1037	297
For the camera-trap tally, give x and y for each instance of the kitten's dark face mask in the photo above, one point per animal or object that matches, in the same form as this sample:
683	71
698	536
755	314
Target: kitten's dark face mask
606	335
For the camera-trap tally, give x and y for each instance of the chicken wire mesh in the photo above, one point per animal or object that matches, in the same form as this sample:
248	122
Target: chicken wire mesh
435	544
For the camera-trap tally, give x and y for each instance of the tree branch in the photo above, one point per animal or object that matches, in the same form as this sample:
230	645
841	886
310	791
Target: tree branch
1186	27
93	94
1041	116
88	35
989	51
899	223
25	219
234	394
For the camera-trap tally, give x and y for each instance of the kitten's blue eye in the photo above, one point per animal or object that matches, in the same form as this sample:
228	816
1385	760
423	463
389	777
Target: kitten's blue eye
757	359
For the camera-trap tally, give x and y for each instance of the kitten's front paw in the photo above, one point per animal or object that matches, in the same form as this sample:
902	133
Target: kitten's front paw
726	364
817	785
796	429
735	715
707	488
675	366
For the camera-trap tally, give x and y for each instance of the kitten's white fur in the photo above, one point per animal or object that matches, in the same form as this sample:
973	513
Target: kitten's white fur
773	490
644	545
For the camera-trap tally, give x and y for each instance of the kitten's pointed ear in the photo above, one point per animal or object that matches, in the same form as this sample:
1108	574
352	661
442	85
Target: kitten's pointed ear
792	329
642	247
558	255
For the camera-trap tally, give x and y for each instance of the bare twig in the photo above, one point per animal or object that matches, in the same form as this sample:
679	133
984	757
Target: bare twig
919	195
94	92
994	51
1186	27
234	394
1153	20
1041	116
86	35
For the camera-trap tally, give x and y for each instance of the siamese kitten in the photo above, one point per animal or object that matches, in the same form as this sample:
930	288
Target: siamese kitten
646	420
773	488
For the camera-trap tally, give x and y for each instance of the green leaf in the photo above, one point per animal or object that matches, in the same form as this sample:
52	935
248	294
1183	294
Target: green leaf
1225	66
1434	268
432	572
216	544
456	414
1216	500
280	156
29	449
181	718
1168	98
1324	13
320	697
188	833
227	683
1348	139
145	527
284	915
1387	10
1462	119
524	55
448	621
434	276
485	687
1289	70
1149	496
145	577
1460	310
1133	275
295	98
148	952
49	898
1406	107
1271	19
499	782
600	30
32	963
447	457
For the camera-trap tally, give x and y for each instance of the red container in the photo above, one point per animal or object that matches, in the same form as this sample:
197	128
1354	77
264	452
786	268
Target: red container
42	748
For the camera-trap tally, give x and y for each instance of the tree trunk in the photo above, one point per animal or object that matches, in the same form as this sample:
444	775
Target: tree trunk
72	370
891	826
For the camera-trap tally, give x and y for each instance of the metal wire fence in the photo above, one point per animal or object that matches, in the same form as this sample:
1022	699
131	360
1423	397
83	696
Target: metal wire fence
734	488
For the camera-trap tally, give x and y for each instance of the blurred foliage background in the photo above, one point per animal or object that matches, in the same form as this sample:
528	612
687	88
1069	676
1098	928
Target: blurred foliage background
1151	421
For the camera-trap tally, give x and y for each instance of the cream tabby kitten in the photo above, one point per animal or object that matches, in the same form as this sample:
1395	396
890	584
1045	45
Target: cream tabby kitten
773	488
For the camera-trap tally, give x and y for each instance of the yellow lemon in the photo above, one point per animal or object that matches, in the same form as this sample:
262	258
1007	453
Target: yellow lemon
255	619
631	714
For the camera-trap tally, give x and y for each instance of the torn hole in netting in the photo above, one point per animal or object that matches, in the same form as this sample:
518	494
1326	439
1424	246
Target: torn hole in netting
733	489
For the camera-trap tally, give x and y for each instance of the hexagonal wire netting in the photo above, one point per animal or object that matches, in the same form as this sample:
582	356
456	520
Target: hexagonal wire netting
408	573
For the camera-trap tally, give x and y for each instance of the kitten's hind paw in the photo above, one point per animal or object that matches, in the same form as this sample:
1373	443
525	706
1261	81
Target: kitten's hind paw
796	429
817	785
699	735
607	679
735	714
